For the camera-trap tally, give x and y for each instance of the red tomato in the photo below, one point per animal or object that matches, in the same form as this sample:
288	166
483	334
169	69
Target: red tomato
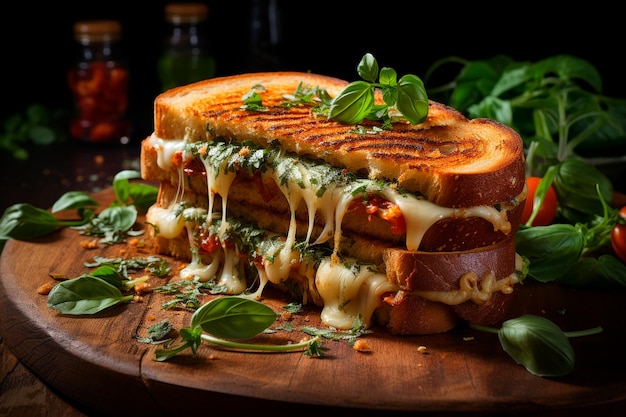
547	212
618	237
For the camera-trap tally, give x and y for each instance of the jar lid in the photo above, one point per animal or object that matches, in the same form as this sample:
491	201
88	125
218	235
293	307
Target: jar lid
97	30
186	12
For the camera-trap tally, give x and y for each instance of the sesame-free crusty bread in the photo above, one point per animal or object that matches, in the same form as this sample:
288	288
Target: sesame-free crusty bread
452	161
448	159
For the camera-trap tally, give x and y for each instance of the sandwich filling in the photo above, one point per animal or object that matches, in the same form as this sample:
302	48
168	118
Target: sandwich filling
228	250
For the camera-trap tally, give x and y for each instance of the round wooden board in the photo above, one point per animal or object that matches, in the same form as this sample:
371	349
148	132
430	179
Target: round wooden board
97	361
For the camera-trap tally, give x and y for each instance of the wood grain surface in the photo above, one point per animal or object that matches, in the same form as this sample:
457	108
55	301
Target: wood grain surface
96	360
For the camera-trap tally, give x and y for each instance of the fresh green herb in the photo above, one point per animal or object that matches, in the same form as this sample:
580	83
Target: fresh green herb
38	125
100	289
555	103
232	317
538	344
187	293
112	225
125	266
358	329
293	308
24	221
560	252
304	95
253	101
86	294
406	96
157	333
141	196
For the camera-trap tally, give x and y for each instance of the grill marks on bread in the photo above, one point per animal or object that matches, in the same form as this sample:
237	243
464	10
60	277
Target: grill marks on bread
449	159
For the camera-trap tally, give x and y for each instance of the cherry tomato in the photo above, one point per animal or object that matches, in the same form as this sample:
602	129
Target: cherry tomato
547	212
618	237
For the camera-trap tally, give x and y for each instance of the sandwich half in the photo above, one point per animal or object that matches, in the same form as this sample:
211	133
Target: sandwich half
411	228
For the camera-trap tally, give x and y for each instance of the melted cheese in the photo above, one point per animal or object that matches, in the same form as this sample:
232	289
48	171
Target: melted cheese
469	289
347	293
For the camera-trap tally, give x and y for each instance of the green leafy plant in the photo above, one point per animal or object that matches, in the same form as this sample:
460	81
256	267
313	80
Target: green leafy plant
556	104
103	288
224	321
356	101
23	221
403	98
538	344
37	125
86	294
561	251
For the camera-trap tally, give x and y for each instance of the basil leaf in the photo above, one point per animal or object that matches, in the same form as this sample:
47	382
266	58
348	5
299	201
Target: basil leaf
412	99
368	68
352	103
232	317
24	221
118	218
575	185
109	274
604	273
120	184
550	249
74	200
388	77
537	344
571	68
84	295
142	195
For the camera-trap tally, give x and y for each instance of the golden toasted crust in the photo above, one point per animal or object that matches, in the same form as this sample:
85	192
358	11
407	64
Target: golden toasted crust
453	161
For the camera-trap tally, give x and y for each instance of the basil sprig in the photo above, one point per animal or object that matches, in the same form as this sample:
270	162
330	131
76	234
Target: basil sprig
357	100
224	321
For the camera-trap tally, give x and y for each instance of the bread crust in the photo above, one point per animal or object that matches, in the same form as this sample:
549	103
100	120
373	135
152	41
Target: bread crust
453	161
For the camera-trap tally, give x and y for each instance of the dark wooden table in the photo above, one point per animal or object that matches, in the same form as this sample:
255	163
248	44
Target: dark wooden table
49	173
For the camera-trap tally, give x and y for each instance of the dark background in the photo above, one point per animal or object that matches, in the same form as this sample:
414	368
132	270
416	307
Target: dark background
327	37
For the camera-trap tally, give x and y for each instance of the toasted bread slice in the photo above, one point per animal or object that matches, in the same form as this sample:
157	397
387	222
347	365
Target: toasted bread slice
452	161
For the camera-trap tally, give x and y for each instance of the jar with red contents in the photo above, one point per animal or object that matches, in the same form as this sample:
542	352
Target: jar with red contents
98	81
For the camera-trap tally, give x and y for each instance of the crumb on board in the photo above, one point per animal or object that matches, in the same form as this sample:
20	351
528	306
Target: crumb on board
142	288
361	345
44	289
422	349
89	244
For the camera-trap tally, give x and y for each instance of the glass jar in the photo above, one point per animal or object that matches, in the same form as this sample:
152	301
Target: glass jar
98	81
186	55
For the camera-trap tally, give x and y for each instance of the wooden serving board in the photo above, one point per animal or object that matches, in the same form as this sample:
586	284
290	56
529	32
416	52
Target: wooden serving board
97	361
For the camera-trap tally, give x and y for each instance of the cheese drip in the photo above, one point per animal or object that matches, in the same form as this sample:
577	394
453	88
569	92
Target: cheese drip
469	288
347	293
419	213
350	292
